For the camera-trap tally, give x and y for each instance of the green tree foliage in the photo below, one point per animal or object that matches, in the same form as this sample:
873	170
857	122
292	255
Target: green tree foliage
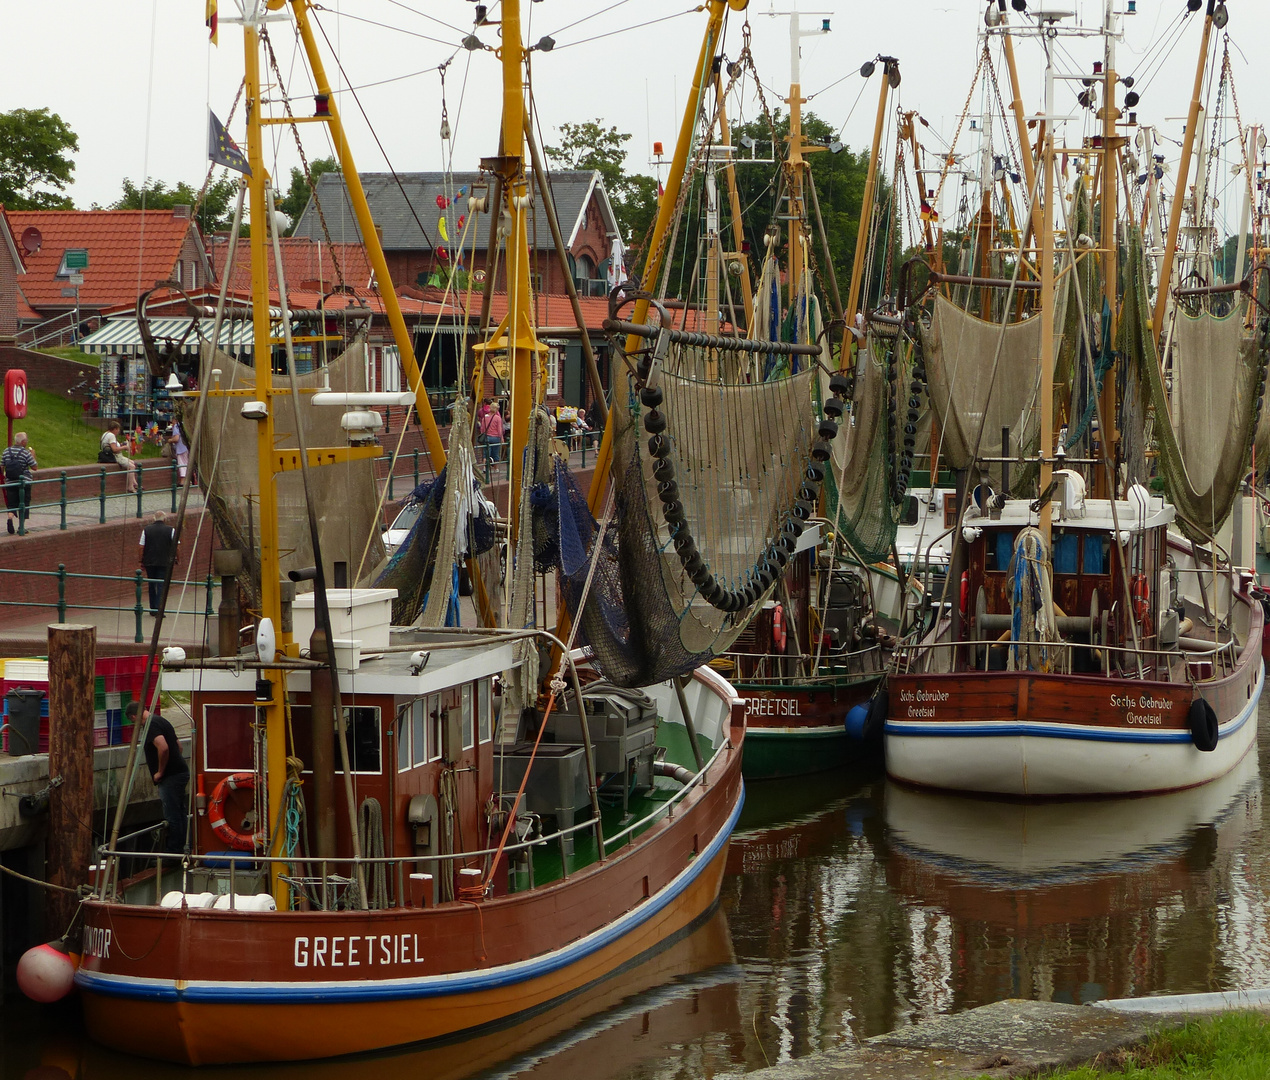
591	145
34	144
297	197
215	213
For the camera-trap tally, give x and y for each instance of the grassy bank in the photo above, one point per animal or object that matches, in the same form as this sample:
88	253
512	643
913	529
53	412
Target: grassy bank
58	434
1233	1046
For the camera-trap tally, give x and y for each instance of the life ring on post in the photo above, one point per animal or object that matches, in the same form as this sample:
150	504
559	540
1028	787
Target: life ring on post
235	838
778	628
1138	591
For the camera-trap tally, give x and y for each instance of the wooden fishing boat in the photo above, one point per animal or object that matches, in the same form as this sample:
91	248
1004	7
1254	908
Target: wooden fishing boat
1087	650
495	846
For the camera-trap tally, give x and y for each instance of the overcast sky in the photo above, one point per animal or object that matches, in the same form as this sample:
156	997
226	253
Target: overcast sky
134	77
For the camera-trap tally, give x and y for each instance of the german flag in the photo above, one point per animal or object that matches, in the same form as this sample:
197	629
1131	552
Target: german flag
212	21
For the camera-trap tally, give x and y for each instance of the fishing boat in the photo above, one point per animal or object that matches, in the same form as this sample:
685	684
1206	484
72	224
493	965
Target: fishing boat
400	832
1095	643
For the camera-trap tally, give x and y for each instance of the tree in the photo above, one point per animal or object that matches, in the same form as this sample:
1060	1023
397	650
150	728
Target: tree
591	145
215	212
297	196
34	144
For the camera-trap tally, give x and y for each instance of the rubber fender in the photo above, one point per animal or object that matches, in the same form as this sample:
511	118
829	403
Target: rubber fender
1203	725
875	722
857	717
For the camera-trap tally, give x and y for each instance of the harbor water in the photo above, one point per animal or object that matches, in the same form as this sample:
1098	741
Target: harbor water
853	906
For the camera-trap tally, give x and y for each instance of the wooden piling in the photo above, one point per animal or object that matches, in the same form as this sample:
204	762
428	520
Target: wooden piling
72	651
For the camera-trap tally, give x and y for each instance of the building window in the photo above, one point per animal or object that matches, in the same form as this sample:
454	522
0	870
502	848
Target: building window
390	369
553	371
177	268
193	274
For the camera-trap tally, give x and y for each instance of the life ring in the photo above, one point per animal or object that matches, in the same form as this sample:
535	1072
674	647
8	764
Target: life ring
1203	725
965	593
235	838
778	628
1138	590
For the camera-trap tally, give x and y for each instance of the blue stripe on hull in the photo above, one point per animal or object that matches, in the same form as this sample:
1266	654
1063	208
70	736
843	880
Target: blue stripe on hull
427	987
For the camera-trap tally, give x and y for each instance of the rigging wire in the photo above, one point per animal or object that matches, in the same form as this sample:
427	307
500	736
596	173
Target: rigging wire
425	15
381	25
625	29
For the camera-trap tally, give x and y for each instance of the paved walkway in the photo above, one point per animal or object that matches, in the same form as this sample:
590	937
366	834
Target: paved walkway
43	518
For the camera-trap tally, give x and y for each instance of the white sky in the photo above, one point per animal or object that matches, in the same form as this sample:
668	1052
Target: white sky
133	78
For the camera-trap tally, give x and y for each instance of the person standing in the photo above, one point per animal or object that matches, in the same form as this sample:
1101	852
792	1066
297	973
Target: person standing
111	450
494	436
19	470
169	771
158	552
180	449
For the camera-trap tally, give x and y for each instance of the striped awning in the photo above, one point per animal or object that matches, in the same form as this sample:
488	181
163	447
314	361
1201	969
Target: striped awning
122	336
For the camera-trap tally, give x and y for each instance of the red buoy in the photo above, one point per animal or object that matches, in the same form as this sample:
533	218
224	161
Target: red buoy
46	973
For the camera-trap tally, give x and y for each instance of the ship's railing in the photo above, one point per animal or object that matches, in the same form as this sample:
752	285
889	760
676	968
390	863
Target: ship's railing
785	668
317	883
67	582
1195	661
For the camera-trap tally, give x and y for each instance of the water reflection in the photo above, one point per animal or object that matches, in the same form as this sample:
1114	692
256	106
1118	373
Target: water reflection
852	906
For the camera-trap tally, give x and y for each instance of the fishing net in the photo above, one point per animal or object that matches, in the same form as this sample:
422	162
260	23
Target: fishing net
345	494
1204	435
1032	625
975	392
737	454
858	489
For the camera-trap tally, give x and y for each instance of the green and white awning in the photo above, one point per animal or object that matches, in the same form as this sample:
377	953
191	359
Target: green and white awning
122	337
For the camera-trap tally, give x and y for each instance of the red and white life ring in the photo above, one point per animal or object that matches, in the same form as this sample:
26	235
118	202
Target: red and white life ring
1138	590
235	838
778	628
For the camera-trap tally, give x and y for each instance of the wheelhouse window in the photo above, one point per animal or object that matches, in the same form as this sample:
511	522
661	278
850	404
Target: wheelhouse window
362	738
484	712
227	737
466	718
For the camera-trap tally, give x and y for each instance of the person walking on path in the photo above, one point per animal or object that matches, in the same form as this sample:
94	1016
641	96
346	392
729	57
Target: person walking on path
168	770
19	470
180	449
111	450
158	552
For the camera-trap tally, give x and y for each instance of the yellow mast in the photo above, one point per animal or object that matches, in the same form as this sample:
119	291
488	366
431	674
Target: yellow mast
856	288
515	334
1183	177
665	210
1110	202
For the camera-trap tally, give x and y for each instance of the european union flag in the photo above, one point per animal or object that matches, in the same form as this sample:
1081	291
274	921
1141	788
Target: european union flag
222	149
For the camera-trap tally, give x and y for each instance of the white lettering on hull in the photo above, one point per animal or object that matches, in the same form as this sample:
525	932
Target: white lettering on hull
342	951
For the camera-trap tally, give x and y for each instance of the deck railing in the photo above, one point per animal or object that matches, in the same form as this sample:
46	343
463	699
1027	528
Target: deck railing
782	668
319	882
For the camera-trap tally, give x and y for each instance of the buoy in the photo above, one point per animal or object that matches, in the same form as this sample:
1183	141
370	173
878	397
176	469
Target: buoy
46	972
857	716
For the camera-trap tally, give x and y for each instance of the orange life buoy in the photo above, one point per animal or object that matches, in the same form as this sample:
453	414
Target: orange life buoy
778	628
235	838
1138	591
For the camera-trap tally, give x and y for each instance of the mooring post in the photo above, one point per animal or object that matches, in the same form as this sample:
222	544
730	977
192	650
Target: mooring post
72	654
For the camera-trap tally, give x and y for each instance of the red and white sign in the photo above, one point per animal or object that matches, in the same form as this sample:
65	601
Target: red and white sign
15	394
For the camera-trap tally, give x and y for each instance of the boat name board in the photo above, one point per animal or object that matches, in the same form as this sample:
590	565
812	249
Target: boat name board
347	951
773	706
916	702
1153	712
97	942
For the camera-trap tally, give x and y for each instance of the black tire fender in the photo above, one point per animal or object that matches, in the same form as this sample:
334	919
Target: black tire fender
1203	725
875	722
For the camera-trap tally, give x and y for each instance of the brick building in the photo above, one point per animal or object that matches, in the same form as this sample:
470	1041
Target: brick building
11	268
426	231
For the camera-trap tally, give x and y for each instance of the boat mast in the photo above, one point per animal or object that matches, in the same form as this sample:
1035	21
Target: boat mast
796	162
1047	291
1183	178
1111	144
890	77
665	211
515	334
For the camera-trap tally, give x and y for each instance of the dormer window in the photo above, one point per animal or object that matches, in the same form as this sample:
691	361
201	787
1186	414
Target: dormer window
74	261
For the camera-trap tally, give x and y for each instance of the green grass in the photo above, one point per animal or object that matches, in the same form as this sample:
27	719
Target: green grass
1233	1046
58	434
70	352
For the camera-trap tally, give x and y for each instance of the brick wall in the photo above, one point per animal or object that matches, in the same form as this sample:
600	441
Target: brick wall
66	378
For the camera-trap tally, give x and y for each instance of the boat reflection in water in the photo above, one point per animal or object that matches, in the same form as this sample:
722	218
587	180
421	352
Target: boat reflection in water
678	996
1076	901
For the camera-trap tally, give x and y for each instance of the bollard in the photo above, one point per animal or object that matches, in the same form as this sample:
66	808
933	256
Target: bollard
101	520
210	611
140	487
140	579
61	590
63	525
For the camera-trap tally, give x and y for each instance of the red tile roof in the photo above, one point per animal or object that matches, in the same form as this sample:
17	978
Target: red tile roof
128	251
307	264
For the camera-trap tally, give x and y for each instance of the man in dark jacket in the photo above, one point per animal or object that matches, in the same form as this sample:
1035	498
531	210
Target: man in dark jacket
168	770
158	552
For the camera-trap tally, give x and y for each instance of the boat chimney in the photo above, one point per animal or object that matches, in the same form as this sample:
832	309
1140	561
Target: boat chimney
286	595
228	563
322	719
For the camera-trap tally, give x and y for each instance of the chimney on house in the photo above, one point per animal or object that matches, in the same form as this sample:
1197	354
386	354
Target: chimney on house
181	212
